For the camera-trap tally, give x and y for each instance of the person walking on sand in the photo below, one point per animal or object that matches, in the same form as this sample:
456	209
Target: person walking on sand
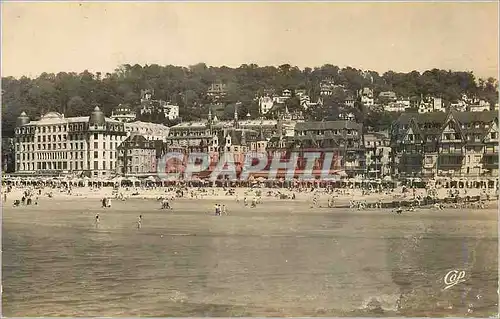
139	222
224	211
97	220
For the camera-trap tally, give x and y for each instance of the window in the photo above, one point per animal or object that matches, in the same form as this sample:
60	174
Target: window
96	145
95	136
104	145
96	155
103	165
96	165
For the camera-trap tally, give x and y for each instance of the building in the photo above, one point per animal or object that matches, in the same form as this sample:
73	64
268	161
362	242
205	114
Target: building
327	87
149	106
217	92
342	138
171	111
138	156
366	95
388	96
400	105
56	144
452	144
265	104
197	136
429	105
395	107
285	95
378	155
124	113
305	102
150	131
300	92
479	107
438	104
347	116
349	101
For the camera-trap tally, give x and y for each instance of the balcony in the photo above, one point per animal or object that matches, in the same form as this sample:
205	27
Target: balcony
451	153
446	161
453	141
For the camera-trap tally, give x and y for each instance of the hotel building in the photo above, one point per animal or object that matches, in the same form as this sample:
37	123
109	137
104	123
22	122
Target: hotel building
454	144
59	145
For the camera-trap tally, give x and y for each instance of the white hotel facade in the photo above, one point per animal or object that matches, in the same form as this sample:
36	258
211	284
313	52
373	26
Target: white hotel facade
88	144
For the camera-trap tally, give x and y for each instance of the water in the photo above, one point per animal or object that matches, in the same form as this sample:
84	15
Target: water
281	259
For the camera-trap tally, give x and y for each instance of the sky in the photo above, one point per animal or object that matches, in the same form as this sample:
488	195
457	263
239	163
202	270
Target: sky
56	36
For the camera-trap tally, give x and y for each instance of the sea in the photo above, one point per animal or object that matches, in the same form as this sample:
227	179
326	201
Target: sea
282	258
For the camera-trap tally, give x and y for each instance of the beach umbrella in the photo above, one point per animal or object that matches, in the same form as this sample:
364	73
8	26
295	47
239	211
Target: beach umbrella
151	179
117	179
132	180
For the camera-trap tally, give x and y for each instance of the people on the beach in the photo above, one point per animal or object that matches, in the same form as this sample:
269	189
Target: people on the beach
165	204
139	222
97	220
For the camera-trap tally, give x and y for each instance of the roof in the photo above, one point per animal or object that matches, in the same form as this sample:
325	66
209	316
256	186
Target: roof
328	125
375	136
225	124
432	117
440	117
64	120
139	141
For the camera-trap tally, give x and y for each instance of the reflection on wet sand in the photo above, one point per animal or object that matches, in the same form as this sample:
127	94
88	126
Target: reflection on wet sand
421	259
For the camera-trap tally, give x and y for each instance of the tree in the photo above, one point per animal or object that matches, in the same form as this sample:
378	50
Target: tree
77	93
75	106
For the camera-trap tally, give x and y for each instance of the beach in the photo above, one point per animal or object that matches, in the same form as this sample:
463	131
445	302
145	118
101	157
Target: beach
281	258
